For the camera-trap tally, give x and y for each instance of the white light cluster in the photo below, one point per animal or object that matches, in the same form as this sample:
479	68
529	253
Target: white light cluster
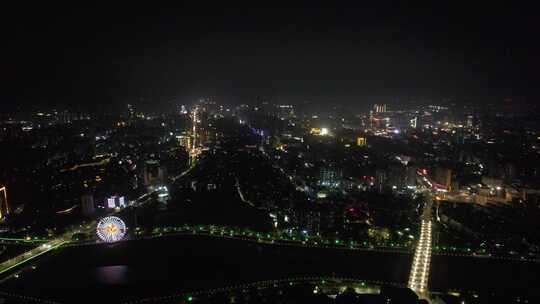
111	229
418	279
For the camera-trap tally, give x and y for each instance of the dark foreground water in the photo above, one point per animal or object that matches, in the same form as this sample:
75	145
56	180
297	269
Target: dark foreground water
507	277
139	269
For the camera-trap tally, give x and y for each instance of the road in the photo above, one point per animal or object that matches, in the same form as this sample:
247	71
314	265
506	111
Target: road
241	194
66	237
174	179
419	275
59	241
34	252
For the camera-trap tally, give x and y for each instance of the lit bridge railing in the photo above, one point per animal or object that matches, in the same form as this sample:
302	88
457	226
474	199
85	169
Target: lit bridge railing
418	279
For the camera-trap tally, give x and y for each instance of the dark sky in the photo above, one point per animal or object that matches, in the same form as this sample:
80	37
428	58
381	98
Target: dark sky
102	55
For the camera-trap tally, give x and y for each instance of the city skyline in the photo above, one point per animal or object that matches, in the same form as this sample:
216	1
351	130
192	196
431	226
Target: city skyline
223	153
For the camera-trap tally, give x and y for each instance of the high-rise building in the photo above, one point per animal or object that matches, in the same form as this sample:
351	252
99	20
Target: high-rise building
330	177
130	113
195	121
411	175
4	206
87	204
413	122
380	179
443	176
115	201
396	176
285	111
470	121
509	171
184	141
153	173
183	110
379	108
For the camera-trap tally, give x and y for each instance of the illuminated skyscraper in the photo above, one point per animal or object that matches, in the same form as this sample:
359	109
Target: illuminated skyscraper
413	122
194	131
443	176
183	109
330	177
196	142
4	207
184	141
379	108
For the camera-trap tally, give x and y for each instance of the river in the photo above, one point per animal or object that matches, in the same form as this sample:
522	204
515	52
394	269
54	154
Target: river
131	270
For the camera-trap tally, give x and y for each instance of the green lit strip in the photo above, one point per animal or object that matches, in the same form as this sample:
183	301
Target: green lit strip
21	240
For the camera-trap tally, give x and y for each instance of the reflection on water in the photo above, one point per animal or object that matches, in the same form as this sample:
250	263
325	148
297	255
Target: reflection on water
112	275
200	263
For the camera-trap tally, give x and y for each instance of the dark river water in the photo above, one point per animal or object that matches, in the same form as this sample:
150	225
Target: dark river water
157	267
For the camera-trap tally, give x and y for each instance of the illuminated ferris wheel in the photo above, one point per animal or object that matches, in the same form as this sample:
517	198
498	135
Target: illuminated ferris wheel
111	229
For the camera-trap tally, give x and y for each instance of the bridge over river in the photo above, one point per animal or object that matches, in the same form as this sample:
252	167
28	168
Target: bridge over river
132	270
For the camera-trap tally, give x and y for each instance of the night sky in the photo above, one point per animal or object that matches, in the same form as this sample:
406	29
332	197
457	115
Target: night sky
106	55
